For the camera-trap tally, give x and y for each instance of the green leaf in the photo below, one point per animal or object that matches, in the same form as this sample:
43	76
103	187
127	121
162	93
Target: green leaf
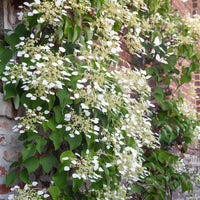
64	97
40	144
57	138
9	91
21	30
31	164
75	33
77	184
5	55
74	142
59	117
47	162
67	26
88	33
55	192
60	179
28	151
60	34
168	128
11	178
16	101
52	124
12	40
183	79
51	101
70	34
158	97
163	156
65	154
184	186
173	136
24	176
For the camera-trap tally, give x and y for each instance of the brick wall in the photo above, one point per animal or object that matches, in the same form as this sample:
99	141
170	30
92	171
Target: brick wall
10	147
192	157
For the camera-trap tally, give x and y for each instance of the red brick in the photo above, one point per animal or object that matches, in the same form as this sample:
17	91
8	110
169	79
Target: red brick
3	171
4	189
2	140
4	125
11	156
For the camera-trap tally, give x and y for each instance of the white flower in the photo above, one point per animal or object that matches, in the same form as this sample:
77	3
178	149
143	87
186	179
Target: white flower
157	42
109	43
29	95
68	128
44	82
76	176
58	3
67	117
62	49
46	195
90	42
20	15
35	11
59	126
76	95
37	1
87	113
65	158
75	73
73	162
20	53
30	14
38	56
22	38
41	20
66	168
40	192
108	165
84	106
39	108
34	183
79	86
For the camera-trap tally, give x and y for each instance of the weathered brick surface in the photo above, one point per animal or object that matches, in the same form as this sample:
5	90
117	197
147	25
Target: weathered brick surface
10	147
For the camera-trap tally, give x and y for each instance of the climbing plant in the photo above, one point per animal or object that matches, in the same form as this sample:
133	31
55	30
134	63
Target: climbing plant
89	128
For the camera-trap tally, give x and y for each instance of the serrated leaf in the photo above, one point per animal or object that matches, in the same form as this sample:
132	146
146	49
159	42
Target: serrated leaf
158	97
64	97
65	154
24	176
56	138
70	34
59	117
74	142
47	162
5	55
28	151
60	179
77	31
12	40
52	124
77	184
31	164
16	101
11	178
55	192
9	91
40	144
67	26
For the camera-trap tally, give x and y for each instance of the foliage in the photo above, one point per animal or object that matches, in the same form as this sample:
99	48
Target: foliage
82	128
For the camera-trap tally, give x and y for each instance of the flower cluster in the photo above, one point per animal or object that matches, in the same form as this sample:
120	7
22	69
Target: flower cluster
30	191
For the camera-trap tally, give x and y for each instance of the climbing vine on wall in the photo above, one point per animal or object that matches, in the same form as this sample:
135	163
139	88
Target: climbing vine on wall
84	134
